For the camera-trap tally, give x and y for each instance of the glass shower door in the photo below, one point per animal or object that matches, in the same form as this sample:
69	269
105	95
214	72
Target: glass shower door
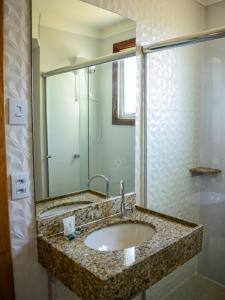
62	135
185	130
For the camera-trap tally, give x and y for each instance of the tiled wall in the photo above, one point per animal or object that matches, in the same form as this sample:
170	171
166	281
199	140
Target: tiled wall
174	119
30	278
174	102
156	20
212	203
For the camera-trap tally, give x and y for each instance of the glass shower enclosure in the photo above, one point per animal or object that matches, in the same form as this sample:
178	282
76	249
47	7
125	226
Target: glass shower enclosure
67	132
185	150
81	139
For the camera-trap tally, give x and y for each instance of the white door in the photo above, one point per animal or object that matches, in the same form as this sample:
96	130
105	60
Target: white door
62	134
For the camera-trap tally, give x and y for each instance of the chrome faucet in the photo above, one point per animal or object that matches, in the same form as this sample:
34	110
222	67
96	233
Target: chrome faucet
122	204
106	181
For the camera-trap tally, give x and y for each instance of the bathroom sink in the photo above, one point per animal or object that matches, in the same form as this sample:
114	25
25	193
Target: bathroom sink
119	236
62	208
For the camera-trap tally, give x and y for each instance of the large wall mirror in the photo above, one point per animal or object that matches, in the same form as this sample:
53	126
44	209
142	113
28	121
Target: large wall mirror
84	119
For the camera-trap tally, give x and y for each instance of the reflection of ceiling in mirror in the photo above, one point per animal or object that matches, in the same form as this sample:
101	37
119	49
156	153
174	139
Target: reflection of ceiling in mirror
76	16
208	2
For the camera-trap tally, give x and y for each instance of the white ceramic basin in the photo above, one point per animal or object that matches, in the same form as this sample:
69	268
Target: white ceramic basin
62	208
119	236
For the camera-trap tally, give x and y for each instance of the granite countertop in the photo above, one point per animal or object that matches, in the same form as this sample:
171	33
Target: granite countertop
121	274
99	209
83	198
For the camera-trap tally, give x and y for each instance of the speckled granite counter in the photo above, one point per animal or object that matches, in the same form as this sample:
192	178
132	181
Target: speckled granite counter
98	209
84	197
121	274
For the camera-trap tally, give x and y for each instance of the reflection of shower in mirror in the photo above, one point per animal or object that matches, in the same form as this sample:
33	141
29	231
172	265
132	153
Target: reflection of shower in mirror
77	105
73	61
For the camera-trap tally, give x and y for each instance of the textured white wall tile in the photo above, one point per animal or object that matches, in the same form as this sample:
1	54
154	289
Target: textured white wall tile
212	209
30	278
174	106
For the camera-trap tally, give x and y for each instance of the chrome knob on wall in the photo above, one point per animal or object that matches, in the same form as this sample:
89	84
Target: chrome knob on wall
48	156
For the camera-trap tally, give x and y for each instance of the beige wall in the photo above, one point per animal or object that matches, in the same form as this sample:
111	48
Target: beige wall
156	20
58	47
215	15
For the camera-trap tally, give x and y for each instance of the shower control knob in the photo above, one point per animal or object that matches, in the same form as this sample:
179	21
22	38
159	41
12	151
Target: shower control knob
76	156
48	156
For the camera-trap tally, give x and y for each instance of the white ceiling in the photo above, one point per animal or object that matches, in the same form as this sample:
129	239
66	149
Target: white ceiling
208	2
77	17
75	11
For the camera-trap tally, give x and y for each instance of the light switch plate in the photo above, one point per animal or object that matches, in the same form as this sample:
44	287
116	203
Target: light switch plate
20	186
17	112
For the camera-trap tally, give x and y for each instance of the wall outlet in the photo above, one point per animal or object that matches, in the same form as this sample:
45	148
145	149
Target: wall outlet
20	186
17	112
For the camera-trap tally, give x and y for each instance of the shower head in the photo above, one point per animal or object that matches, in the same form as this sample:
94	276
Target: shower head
92	69
76	60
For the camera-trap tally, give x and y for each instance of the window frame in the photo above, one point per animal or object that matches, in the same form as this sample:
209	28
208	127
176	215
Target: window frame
116	119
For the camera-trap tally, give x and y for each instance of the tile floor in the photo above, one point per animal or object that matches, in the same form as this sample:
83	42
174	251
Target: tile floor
198	288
